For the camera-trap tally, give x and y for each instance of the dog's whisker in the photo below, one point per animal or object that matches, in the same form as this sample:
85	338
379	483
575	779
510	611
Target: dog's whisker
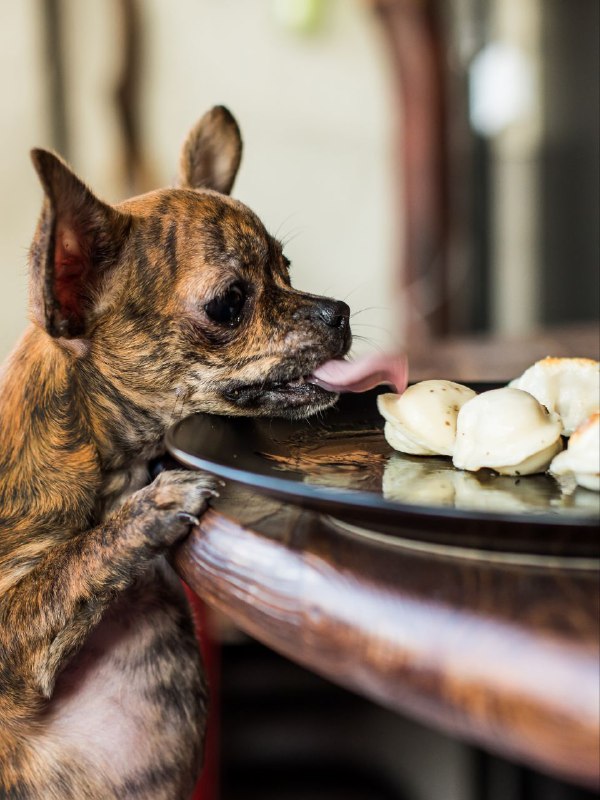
290	237
284	222
371	342
356	288
368	308
368	325
175	413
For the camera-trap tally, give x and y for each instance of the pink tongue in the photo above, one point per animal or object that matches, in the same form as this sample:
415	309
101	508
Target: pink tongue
362	374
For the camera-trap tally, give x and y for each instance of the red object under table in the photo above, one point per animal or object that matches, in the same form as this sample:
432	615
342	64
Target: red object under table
207	787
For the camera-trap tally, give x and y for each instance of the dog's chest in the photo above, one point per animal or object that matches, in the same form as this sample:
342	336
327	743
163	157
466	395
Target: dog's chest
135	690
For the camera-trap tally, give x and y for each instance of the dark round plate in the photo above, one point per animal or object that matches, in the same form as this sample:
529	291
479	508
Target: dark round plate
339	463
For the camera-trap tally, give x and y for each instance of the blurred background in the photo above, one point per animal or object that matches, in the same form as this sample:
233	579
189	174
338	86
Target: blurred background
433	163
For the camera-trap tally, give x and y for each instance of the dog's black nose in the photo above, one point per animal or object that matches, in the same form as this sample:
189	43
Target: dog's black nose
334	313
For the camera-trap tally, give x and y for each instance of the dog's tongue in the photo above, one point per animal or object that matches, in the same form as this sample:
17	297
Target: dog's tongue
364	373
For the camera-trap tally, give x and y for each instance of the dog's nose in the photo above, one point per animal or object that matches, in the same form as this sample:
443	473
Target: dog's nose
334	313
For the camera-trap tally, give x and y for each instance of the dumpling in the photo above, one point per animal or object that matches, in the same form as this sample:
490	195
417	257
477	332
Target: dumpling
569	386
506	430
581	459
422	420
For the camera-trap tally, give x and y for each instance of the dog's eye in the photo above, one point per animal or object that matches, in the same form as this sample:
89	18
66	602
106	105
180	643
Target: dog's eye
227	308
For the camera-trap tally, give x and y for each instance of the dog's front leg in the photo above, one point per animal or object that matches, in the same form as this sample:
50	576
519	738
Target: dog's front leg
47	615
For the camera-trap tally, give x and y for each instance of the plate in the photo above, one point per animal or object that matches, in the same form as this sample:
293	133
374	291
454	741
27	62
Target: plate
340	464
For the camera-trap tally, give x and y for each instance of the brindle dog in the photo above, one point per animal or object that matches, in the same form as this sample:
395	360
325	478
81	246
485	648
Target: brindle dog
172	302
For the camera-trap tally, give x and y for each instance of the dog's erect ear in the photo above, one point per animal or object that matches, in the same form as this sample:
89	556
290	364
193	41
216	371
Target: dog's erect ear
212	152
77	240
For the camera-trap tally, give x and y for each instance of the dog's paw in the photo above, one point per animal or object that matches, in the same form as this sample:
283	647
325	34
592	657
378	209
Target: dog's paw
172	504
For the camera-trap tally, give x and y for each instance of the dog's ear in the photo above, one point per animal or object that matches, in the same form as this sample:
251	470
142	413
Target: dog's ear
77	240
212	152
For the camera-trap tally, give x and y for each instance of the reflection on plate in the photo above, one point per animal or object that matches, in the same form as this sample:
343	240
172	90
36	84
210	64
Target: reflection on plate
422	480
342	465
432	481
341	459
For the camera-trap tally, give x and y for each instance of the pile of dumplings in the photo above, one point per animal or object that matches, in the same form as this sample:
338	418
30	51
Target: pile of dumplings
516	430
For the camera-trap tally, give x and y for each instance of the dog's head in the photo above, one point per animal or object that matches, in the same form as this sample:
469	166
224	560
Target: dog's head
179	300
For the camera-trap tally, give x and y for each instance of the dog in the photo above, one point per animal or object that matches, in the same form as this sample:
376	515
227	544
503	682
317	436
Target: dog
169	303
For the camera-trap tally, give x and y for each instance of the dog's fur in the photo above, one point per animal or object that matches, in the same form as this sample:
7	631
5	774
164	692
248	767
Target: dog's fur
134	324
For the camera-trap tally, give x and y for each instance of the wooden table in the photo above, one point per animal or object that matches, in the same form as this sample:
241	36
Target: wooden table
499	648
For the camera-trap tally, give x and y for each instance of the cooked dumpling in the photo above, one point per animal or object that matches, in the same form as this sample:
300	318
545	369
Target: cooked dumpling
422	420
506	430
569	386
581	459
